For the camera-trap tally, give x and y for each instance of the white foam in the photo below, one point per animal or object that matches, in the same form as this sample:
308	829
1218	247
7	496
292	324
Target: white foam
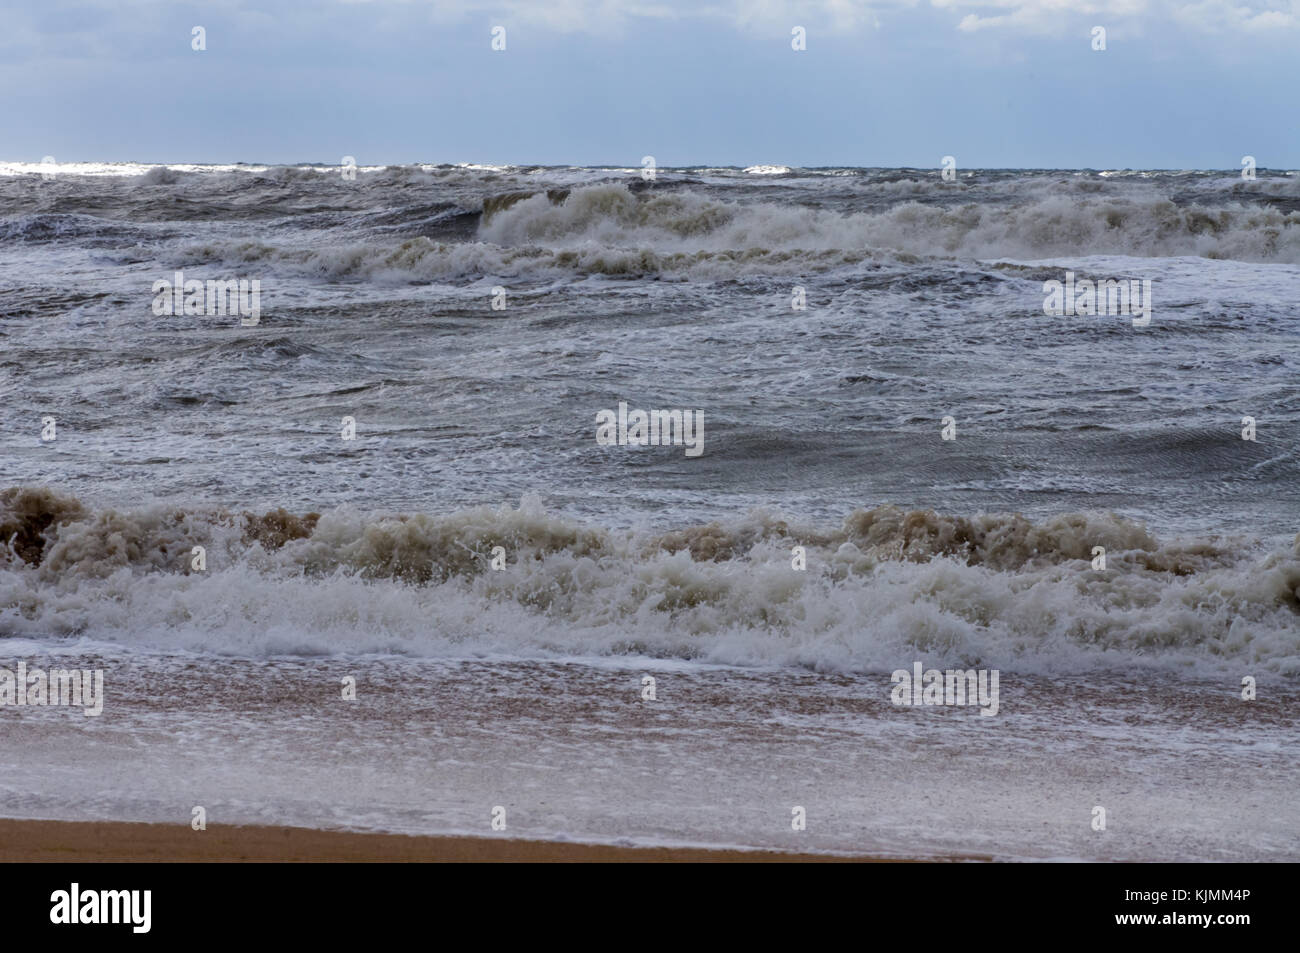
1027	600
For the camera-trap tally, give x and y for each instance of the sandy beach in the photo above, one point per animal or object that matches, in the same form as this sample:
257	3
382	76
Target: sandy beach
111	842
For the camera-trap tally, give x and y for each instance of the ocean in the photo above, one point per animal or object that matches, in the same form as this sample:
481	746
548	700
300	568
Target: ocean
391	472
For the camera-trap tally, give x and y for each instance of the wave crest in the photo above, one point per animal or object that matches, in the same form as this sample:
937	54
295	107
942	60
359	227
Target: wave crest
1050	226
887	585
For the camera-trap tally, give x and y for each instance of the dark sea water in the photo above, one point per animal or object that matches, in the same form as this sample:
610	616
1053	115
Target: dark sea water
474	321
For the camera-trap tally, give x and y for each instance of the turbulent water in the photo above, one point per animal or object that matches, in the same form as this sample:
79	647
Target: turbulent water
473	321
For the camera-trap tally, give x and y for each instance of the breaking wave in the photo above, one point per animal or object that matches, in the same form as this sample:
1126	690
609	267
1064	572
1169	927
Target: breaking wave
885	587
617	231
1051	226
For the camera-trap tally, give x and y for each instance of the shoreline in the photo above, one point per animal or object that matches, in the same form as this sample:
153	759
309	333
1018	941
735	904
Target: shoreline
37	841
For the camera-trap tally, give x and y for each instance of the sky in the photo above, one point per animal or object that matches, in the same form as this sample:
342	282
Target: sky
997	84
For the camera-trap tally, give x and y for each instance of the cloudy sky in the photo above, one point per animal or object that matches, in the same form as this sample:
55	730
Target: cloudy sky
1002	83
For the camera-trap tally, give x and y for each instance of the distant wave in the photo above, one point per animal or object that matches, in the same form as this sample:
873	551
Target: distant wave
42	227
886	585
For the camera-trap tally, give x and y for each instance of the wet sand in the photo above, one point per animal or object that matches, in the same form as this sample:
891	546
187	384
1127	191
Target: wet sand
1185	770
114	842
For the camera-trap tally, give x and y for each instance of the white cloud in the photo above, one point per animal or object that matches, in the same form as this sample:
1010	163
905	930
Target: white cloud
1054	16
596	16
1217	15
